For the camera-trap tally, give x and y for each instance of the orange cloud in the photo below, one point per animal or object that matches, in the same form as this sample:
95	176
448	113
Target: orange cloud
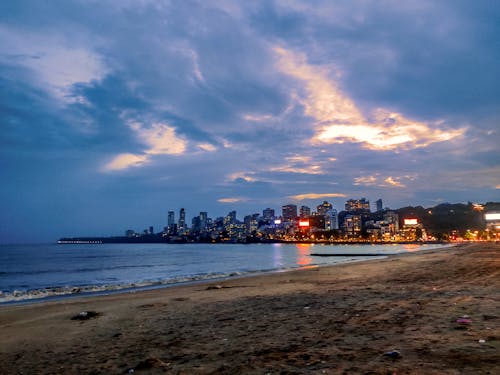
375	180
338	119
301	197
124	161
231	200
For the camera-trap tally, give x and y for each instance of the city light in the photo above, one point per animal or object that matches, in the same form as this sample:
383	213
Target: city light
492	216
411	221
303	223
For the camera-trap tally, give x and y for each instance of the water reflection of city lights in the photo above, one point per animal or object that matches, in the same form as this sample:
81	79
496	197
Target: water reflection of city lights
412	247
303	251
277	256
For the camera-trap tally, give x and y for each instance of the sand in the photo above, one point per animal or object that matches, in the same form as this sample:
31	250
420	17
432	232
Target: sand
327	320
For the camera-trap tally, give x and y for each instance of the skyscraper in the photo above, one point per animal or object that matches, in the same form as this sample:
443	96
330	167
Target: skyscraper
324	207
332	220
203	220
171	219
182	219
379	205
289	212
357	205
268	214
352	225
305	211
230	218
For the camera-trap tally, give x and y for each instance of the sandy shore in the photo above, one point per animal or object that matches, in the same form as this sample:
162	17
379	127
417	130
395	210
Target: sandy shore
332	320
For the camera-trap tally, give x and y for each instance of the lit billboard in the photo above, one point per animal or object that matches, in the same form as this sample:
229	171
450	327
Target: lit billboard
411	221
492	216
303	223
277	221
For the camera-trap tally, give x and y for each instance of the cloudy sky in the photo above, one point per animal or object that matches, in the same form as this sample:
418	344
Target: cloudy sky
114	112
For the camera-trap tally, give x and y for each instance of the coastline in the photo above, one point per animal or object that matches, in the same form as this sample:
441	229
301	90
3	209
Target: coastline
328	319
55	293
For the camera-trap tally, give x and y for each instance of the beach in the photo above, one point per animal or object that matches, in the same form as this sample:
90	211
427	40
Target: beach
429	312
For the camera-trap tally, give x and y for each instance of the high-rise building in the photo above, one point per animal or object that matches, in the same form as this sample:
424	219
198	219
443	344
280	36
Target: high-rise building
305	211
230	218
268	214
170	219
379	205
352	225
332	220
182	219
203	220
251	223
195	224
324	207
392	219
289	212
357	205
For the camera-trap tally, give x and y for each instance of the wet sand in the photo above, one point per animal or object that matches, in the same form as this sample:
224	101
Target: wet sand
328	320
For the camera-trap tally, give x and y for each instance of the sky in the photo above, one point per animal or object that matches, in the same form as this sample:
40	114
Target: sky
114	112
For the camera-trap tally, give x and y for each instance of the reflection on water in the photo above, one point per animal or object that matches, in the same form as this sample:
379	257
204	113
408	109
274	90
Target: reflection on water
277	255
412	247
303	251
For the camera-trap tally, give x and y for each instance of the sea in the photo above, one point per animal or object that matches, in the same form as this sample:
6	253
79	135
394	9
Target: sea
30	273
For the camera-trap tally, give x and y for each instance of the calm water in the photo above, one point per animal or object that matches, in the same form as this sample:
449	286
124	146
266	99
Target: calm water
30	272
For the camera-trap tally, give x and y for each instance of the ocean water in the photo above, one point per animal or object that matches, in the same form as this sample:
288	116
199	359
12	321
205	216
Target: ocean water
36	272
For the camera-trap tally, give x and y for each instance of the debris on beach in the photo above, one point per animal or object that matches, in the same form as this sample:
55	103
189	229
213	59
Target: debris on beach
211	287
464	320
394	354
85	315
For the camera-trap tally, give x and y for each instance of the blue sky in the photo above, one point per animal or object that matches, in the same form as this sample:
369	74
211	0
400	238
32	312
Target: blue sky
114	112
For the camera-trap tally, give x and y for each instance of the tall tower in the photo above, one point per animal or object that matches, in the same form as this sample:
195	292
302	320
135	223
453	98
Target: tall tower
171	219
203	220
378	203
268	214
289	212
305	211
182	219
324	207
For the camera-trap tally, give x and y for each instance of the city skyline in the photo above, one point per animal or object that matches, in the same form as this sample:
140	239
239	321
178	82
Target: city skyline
111	110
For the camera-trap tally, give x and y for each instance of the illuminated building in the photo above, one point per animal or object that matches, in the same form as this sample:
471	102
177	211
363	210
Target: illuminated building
171	222
493	224
331	220
251	222
230	218
268	214
203	220
412	230
392	219
182	219
352	225
379	205
289	212
357	205
305	211
323	208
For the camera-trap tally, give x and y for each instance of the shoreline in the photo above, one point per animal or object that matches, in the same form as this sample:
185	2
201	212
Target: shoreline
86	291
329	319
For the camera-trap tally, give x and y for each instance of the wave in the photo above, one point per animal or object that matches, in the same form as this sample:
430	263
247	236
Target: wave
61	291
71	290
